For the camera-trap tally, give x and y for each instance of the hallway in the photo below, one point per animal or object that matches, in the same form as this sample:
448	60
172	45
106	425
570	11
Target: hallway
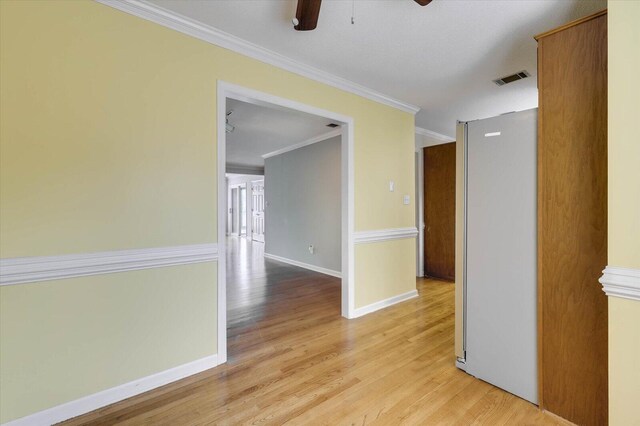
261	291
292	358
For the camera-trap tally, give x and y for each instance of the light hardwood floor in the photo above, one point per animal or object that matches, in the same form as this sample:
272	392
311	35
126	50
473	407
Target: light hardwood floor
293	359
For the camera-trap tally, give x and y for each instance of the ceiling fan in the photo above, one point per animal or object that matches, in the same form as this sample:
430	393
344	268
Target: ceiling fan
308	11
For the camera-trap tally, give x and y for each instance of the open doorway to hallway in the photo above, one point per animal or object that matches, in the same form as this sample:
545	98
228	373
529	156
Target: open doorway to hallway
287	220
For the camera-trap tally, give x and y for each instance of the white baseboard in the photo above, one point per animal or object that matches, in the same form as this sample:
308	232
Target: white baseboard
109	396
315	268
358	312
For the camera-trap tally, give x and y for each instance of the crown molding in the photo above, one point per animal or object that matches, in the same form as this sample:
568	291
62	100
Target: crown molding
170	19
323	137
22	270
384	235
438	136
621	282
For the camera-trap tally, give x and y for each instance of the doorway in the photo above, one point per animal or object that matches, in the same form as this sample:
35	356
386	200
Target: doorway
233	211
237	210
439	210
229	91
242	210
257	210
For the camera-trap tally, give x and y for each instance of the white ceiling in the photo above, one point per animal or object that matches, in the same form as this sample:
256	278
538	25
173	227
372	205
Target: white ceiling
442	57
260	130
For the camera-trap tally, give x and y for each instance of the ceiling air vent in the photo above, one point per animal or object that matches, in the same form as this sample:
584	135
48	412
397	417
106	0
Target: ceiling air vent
511	78
332	125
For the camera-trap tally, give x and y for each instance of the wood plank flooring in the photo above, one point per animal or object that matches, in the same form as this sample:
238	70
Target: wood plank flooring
292	359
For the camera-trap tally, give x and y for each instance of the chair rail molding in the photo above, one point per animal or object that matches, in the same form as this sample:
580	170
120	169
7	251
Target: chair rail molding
384	235
22	270
621	282
185	25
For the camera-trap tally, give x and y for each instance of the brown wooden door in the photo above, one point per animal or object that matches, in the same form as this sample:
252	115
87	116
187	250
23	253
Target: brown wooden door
572	221
440	210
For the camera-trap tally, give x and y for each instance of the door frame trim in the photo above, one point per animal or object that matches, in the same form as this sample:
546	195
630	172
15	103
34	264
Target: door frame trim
226	91
419	161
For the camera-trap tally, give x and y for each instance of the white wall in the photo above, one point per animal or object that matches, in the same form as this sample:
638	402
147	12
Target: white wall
302	192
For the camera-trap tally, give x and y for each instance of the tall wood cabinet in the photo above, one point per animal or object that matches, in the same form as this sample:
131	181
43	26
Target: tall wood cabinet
572	220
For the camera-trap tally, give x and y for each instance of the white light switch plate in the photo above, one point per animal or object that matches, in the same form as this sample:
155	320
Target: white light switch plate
392	186
406	199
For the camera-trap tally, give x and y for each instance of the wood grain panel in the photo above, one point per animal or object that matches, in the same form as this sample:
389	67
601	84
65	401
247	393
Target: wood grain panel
572	221
440	211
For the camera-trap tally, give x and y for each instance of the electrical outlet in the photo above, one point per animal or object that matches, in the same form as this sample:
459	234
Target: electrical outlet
406	200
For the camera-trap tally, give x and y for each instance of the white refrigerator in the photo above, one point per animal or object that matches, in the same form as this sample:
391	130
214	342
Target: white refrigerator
496	296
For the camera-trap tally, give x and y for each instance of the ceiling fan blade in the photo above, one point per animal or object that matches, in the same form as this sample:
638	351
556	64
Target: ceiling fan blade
423	2
307	14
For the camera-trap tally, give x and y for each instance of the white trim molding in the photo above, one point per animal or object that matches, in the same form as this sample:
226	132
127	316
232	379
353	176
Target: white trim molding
419	197
358	312
22	270
433	135
109	396
384	235
308	266
319	138
621	282
185	25
242	169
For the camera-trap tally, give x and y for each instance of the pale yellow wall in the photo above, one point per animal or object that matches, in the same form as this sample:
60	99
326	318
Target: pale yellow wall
130	105
108	126
375	261
107	142
624	139
624	207
624	367
65	339
387	156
